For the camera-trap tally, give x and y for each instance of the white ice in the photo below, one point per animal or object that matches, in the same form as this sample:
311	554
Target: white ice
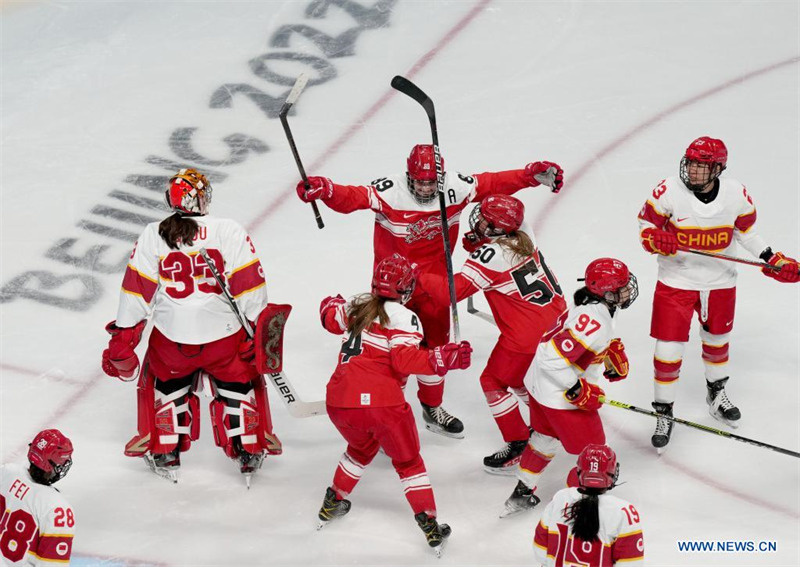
614	91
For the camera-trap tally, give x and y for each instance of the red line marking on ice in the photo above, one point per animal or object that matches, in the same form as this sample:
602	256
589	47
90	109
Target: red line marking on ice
372	111
36	373
615	144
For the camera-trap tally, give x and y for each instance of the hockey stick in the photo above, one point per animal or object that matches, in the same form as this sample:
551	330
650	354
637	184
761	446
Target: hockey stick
478	313
699	426
410	89
294	94
730	258
293	403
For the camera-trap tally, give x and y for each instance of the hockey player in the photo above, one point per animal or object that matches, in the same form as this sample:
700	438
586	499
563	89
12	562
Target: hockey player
194	329
527	303
37	524
365	401
408	222
702	211
563	379
585	525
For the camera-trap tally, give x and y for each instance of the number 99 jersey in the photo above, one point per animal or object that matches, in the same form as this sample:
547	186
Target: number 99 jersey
37	524
178	287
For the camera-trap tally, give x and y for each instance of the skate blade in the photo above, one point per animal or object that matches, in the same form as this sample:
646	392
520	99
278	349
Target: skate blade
439	549
733	424
511	511
504	471
433	428
247	477
167	473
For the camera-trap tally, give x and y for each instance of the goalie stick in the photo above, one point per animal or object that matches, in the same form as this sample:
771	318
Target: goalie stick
410	89
294	94
293	403
699	426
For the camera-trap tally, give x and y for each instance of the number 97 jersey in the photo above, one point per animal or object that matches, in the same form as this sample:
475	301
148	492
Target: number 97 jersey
37	524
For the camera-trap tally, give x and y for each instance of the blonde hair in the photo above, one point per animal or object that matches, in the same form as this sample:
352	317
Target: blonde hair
363	310
519	244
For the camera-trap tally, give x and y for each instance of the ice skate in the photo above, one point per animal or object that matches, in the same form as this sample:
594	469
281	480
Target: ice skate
164	465
520	500
332	508
435	533
506	460
249	463
438	420
663	431
720	406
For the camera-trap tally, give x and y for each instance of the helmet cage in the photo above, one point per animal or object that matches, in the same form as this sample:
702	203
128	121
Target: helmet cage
503	215
189	193
394	279
704	150
624	296
421	166
610	279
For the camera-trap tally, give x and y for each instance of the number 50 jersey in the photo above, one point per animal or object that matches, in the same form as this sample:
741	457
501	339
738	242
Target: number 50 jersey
178	287
36	522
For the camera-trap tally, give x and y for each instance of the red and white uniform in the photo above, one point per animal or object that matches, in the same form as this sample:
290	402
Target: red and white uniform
528	306
620	539
576	351
37	524
414	230
178	288
366	404
712	227
690	283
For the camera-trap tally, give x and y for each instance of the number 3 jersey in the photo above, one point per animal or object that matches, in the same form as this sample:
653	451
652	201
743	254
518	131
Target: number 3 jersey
37	524
179	289
577	350
620	539
374	364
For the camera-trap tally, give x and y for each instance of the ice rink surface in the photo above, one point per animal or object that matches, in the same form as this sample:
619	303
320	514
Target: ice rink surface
101	101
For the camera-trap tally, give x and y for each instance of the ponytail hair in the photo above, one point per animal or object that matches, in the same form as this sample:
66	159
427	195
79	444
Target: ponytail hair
518	243
363	310
178	229
585	514
583	296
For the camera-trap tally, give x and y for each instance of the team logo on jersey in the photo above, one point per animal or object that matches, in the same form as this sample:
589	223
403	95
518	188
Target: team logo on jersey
426	229
714	238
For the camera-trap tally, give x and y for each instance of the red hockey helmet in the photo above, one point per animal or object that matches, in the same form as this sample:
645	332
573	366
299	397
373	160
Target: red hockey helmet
421	172
51	452
704	150
610	279
597	467
189	192
394	278
503	215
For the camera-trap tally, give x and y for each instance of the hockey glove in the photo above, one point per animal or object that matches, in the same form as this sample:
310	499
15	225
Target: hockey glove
119	359
328	311
789	270
545	173
616	361
451	356
318	188
472	242
585	395
657	241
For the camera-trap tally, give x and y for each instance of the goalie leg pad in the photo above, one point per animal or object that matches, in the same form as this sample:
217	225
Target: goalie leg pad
240	413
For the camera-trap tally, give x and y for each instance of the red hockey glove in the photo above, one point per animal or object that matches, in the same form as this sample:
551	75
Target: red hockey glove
657	241
327	313
451	356
472	242
318	188
616	361
789	270
585	395
545	173
119	359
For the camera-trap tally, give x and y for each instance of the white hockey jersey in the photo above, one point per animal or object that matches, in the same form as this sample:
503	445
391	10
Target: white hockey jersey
577	350
37	525
710	227
620	539
179	289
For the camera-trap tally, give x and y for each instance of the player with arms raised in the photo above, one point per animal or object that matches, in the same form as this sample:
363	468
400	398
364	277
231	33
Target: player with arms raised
527	304
585	525
563	379
37	524
194	329
408	222
699	210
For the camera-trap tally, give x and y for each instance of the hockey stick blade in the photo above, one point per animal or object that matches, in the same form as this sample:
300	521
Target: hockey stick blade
410	89
294	94
472	310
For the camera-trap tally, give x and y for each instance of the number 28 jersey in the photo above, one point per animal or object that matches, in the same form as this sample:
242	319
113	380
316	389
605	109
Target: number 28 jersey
619	540
37	523
178	287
